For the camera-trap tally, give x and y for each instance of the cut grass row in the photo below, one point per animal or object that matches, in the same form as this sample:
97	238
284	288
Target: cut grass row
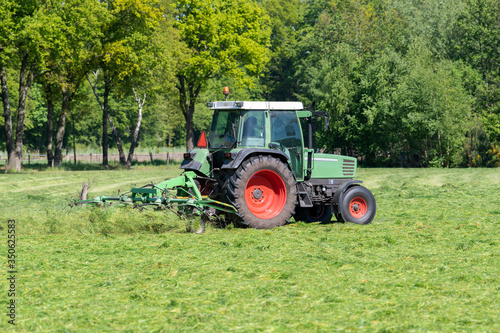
429	262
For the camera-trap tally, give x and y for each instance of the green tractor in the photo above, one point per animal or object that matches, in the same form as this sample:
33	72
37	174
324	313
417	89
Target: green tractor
254	169
255	159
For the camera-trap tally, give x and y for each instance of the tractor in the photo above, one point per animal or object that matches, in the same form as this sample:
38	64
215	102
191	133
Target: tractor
257	167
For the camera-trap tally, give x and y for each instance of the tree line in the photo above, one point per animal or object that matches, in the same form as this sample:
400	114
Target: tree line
406	83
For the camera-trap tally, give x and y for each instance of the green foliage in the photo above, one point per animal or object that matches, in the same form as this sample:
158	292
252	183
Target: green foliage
223	37
79	29
285	16
407	83
435	109
478	151
36	114
430	22
395	109
27	28
163	123
393	98
123	50
494	152
475	41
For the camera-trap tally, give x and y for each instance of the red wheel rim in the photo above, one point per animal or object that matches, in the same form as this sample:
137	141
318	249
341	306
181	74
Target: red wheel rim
265	194
358	207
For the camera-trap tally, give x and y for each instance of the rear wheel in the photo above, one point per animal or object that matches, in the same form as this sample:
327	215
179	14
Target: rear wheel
358	205
263	191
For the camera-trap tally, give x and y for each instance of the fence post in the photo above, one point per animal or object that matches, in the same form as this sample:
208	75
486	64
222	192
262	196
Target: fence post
151	157
168	159
83	194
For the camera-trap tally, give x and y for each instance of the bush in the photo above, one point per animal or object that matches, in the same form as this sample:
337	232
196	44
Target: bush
494	152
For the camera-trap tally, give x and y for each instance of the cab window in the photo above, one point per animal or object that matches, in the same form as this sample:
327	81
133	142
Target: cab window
253	132
286	135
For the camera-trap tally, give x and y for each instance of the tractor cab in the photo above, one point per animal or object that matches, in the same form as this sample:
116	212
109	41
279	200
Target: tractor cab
225	131
270	126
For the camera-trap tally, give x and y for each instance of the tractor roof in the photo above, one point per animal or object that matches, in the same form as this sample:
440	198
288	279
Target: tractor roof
244	105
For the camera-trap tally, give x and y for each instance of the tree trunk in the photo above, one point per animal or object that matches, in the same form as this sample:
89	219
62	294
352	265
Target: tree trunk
74	142
188	115
118	142
25	80
11	162
187	100
105	144
184	105
133	142
50	124
113	129
61	126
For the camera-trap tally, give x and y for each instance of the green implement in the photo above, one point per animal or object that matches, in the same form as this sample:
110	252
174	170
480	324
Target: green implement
180	194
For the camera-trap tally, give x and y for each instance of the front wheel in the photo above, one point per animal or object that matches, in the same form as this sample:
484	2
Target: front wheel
358	205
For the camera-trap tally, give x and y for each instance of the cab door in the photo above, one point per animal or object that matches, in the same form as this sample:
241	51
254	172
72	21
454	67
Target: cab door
286	135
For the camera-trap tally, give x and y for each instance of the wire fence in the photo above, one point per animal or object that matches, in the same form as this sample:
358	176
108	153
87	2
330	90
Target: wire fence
35	157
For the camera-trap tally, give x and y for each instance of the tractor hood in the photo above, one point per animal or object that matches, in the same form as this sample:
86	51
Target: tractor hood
333	166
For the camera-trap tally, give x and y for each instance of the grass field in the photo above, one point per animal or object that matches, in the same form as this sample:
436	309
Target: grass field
429	261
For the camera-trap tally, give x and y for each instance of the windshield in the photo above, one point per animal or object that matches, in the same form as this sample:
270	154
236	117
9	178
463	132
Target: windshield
225	125
224	129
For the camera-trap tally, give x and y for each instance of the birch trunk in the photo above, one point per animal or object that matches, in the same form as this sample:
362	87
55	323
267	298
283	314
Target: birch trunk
105	115
133	143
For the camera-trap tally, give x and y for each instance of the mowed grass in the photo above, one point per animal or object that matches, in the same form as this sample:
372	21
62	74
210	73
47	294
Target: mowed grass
429	261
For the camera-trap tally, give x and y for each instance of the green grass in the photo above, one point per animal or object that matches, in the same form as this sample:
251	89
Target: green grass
429	261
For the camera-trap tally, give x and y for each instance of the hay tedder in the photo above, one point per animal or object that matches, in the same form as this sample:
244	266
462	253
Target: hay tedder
254	169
